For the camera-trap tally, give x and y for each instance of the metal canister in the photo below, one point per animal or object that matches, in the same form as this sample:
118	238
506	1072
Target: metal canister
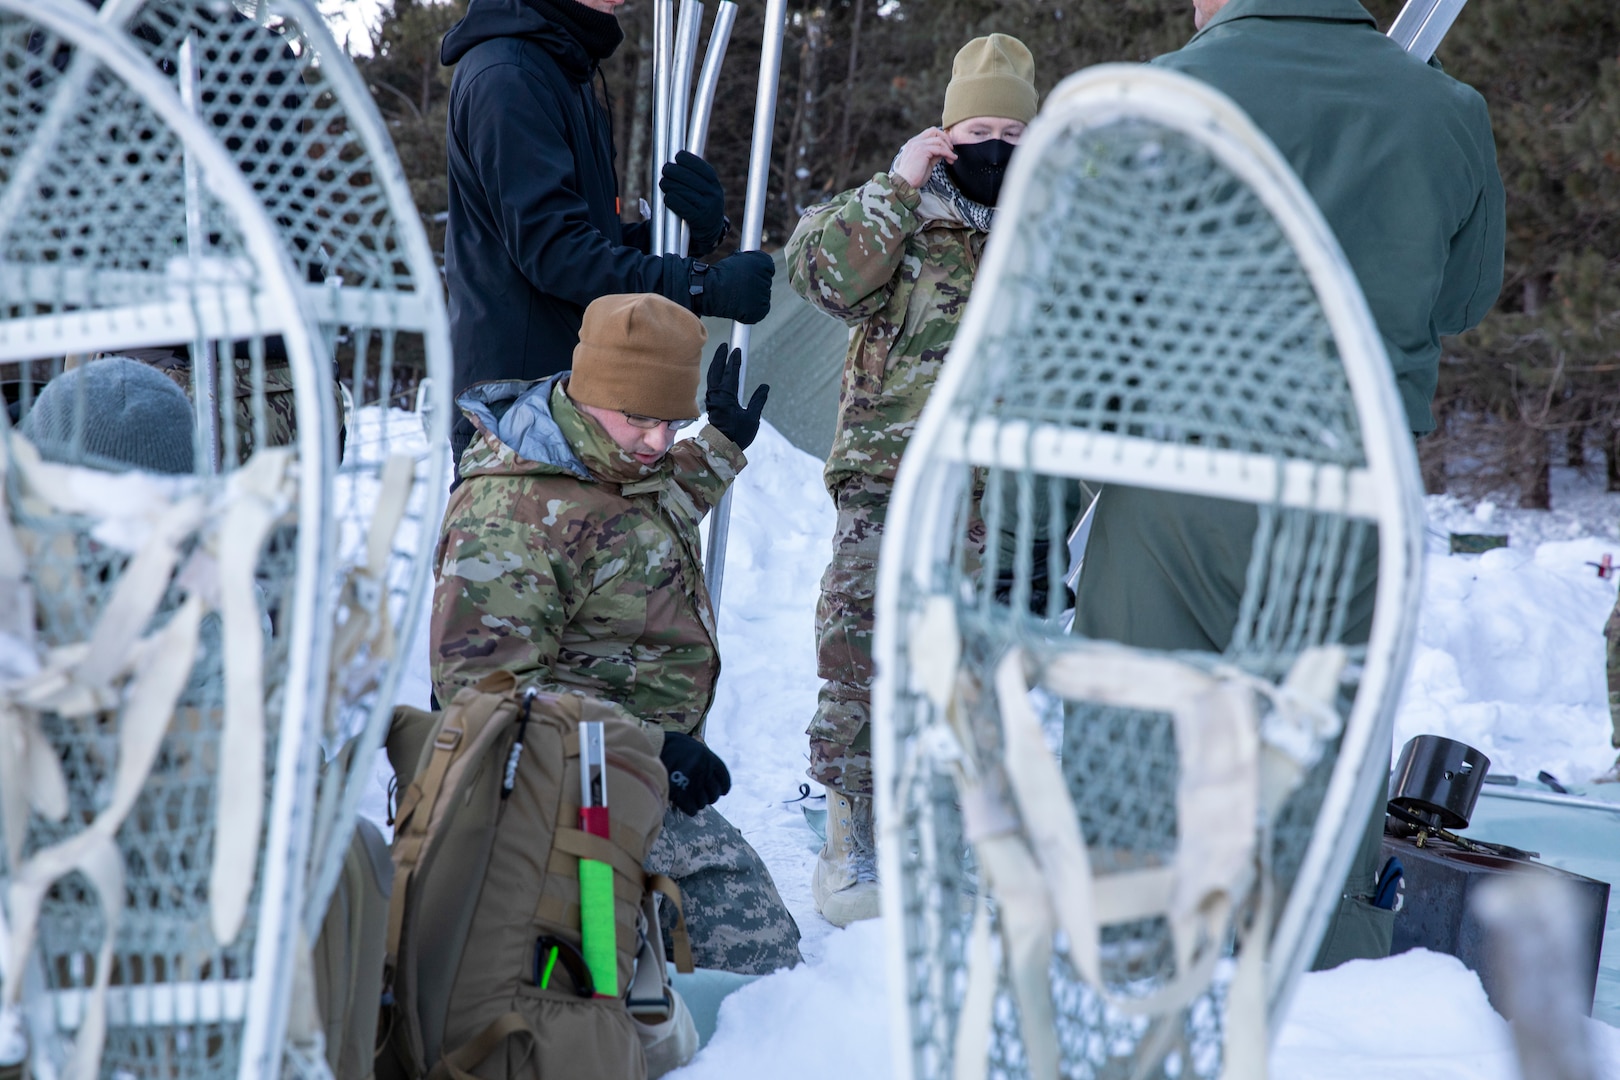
1438	779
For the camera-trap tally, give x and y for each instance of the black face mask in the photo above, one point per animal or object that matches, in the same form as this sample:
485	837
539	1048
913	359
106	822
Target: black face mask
979	169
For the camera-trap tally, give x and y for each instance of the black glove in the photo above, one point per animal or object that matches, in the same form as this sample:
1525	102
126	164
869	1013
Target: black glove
1040	583
692	189
737	288
736	422
697	776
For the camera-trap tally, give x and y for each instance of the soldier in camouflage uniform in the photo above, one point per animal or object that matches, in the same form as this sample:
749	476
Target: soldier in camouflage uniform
1611	639
895	259
280	410
569	557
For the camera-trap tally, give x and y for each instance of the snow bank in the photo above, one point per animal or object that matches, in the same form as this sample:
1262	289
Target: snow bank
1416	1016
778	546
830	1016
1510	658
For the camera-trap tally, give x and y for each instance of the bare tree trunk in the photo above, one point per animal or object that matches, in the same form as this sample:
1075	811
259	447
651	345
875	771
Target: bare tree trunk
1537	494
1575	446
428	65
1432	458
846	152
1614	459
802	151
638	175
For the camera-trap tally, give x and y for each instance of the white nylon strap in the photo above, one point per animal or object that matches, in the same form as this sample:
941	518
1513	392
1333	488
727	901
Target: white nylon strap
936	650
135	500
78	680
365	593
97	858
239	794
1026	933
1010	874
30	777
155	689
1246	1053
972	1048
258	496
1303	719
138	592
1216	802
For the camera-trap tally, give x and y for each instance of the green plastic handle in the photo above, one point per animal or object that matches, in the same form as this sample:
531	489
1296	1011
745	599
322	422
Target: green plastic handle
597	929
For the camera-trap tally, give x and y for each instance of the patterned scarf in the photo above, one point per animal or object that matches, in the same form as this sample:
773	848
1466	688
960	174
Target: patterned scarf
976	215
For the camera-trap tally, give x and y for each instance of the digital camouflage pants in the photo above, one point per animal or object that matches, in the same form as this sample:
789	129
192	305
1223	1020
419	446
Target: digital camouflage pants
840	732
1611	638
734	914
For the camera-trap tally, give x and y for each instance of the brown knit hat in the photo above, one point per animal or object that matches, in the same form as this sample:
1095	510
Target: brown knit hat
639	353
991	76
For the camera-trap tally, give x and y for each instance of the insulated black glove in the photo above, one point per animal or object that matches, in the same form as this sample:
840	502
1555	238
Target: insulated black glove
736	422
692	189
697	776
737	288
1040	583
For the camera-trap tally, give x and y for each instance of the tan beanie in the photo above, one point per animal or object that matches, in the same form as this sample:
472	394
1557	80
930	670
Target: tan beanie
991	76
639	353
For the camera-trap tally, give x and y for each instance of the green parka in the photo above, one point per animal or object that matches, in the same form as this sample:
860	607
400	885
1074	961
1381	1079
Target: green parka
1401	160
568	563
1398	155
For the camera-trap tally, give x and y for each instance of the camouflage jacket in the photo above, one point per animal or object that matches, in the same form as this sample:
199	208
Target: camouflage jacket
566	562
897	266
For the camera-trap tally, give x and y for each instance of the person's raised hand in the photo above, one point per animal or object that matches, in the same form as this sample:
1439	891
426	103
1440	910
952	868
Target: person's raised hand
921	152
735	421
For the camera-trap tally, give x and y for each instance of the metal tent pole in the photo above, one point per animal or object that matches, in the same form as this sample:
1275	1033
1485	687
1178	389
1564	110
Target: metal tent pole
725	17
1422	24
204	372
663	54
759	172
697	137
687	32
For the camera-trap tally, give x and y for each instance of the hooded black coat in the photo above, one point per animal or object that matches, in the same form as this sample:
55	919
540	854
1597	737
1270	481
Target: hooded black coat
533	233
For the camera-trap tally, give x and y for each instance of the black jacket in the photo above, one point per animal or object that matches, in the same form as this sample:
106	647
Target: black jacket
533	233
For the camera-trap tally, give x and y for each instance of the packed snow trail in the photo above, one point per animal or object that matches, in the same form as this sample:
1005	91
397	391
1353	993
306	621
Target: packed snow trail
1510	659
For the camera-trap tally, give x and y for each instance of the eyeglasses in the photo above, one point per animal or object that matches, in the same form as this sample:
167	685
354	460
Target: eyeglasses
649	423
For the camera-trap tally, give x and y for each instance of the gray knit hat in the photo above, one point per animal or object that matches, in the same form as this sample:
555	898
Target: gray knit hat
134	416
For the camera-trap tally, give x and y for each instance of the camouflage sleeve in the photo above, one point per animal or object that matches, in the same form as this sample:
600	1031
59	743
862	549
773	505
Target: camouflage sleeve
845	254
706	465
502	595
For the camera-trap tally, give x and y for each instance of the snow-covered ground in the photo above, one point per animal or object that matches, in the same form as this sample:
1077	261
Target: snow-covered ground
1510	659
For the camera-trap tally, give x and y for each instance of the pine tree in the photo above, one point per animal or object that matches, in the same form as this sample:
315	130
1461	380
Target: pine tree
412	91
1540	372
859	77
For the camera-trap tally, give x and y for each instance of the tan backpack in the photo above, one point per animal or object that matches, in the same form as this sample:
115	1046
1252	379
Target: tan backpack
486	889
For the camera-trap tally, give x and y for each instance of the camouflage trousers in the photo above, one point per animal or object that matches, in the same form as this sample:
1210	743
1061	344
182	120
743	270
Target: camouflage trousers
1611	651
840	731
734	914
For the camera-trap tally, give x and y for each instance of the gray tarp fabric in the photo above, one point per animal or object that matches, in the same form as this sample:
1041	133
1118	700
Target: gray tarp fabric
800	352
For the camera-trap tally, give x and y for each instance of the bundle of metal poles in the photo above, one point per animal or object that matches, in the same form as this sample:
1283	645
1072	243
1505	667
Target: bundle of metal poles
681	115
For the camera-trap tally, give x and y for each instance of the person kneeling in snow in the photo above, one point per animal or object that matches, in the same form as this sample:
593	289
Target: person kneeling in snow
569	557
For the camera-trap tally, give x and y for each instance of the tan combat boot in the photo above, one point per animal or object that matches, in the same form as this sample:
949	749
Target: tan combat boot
845	883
